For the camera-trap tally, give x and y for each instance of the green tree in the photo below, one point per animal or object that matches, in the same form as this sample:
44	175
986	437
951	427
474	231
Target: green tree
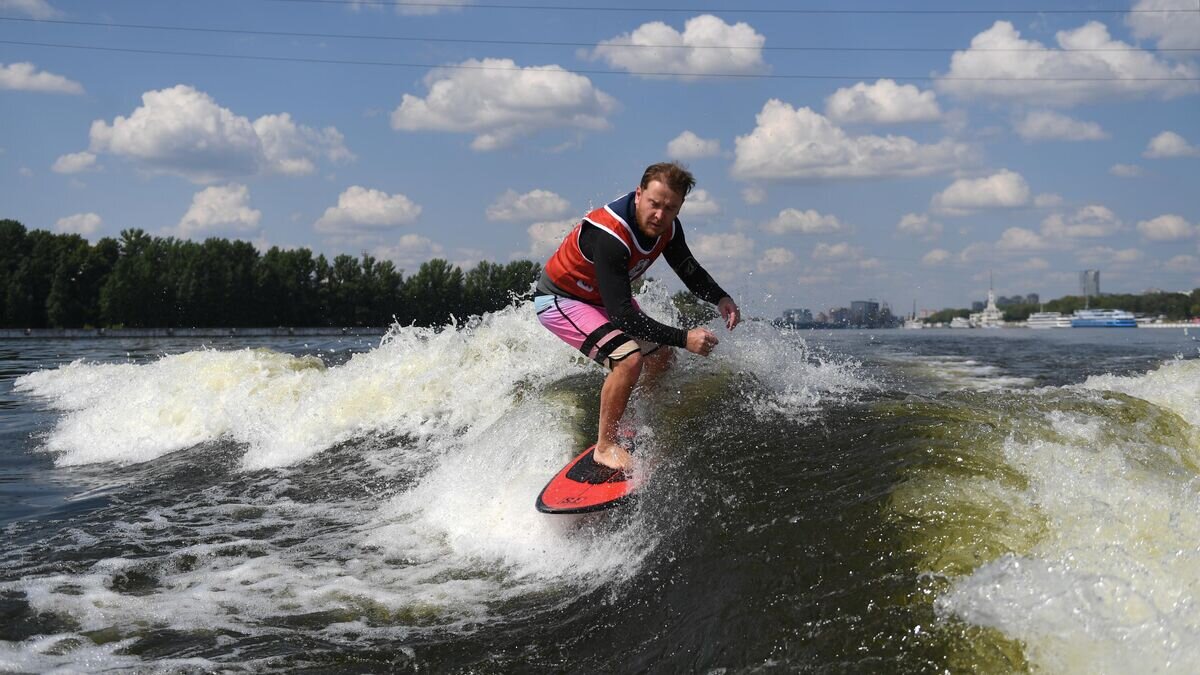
344	291
72	299
435	293
132	295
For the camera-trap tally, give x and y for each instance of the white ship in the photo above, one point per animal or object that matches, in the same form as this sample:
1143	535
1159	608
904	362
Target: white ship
1048	320
960	322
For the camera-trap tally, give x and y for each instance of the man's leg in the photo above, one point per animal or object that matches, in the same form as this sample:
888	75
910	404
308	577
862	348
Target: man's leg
614	396
655	364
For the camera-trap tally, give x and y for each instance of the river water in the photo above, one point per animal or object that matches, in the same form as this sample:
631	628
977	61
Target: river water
837	501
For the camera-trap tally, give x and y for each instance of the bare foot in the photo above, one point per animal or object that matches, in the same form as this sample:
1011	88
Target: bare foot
613	456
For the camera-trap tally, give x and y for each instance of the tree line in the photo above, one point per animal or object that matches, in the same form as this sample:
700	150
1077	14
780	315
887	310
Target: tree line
50	280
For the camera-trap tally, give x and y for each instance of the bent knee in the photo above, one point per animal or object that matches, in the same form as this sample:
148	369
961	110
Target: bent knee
631	361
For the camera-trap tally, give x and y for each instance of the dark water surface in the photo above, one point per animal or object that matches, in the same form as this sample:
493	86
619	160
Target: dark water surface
842	501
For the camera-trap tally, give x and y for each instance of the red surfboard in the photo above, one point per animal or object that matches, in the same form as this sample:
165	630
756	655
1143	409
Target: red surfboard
584	485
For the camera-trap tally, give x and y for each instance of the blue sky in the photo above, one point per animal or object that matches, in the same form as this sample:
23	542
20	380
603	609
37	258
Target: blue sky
899	156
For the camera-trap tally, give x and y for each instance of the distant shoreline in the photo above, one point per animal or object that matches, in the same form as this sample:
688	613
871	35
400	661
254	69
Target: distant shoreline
117	333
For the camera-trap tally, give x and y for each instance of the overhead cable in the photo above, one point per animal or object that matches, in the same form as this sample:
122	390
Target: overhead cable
440	4
585	71
547	43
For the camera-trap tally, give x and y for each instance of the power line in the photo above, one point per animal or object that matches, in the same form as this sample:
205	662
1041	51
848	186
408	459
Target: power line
728	10
545	43
574	71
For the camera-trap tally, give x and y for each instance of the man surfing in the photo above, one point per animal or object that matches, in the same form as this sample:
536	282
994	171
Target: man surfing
585	295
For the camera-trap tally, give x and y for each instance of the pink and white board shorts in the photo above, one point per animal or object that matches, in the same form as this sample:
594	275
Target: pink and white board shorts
588	329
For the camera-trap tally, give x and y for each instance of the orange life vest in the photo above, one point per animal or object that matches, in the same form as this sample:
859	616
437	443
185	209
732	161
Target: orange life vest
571	271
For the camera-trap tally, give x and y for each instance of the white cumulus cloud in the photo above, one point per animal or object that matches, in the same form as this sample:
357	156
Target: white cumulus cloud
935	257
1168	227
706	46
220	208
183	131
774	259
1004	189
919	225
1091	221
291	149
884	102
839	251
1172	30
1101	256
85	224
500	102
1088	66
409	251
797	144
1170	144
723	246
75	162
688	145
1047	125
362	210
803	222
527	207
700	204
1021	239
26	77
545	237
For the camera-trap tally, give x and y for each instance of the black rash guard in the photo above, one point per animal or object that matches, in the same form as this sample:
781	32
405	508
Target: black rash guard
611	259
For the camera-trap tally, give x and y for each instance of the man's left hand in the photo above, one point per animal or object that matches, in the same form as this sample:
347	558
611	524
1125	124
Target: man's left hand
730	312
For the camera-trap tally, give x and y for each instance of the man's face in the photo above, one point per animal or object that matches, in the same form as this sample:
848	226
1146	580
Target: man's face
657	206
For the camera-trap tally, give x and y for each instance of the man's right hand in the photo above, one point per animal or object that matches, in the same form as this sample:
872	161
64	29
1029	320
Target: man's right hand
701	341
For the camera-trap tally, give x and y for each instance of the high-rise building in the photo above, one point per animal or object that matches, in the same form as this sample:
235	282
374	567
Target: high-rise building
1089	283
864	312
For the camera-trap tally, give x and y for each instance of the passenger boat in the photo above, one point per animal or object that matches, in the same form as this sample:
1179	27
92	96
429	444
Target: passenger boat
1103	318
1048	320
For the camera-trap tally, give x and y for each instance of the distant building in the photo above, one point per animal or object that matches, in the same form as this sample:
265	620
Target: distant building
864	312
795	317
1089	283
977	306
1033	299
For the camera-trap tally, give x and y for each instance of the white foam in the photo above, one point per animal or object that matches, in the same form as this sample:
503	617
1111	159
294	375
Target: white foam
419	383
1112	585
794	379
1174	386
965	373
